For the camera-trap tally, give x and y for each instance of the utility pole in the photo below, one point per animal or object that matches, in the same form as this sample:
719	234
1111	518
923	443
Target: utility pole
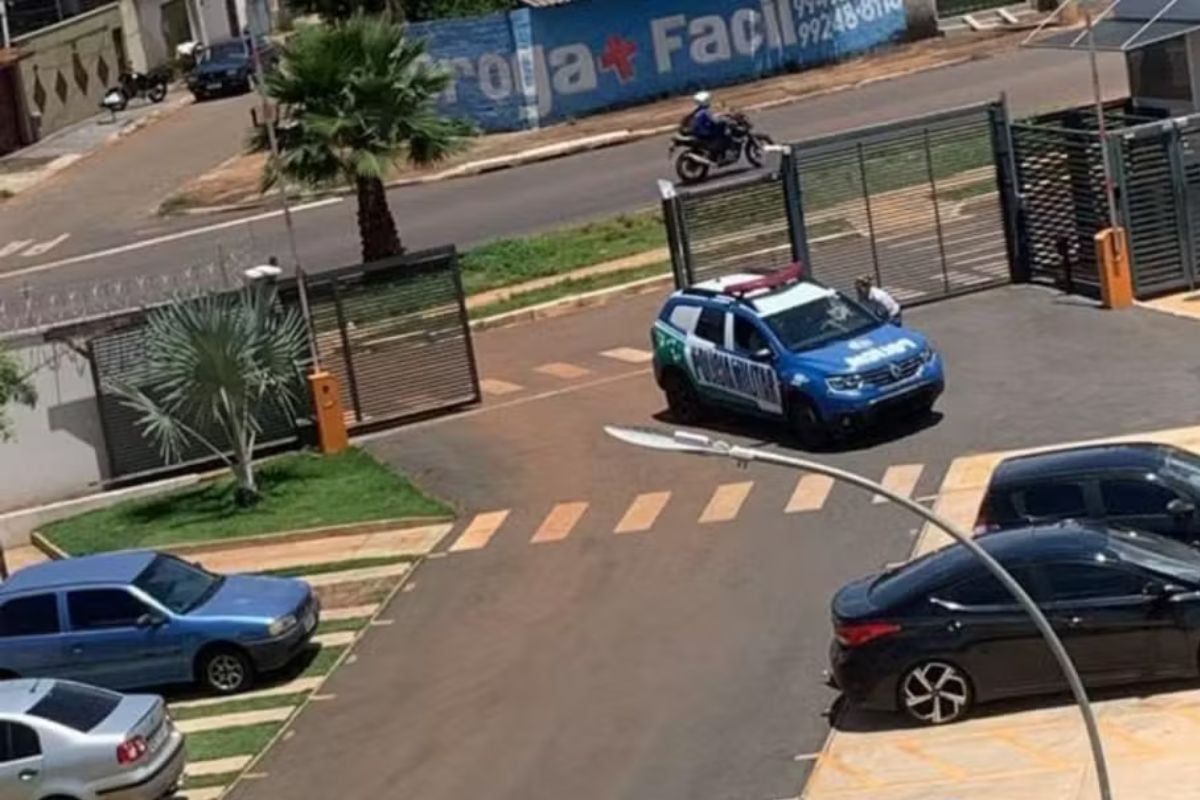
268	119
5	39
1110	191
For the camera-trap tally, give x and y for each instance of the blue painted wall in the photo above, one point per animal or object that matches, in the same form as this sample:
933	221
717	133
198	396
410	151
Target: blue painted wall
549	64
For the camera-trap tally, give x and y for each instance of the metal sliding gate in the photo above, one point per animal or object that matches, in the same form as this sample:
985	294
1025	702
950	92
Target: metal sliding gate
924	206
395	333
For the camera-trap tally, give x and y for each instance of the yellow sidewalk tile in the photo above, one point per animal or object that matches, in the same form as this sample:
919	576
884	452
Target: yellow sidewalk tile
480	531
726	502
497	387
559	522
810	494
901	479
558	369
643	512
629	355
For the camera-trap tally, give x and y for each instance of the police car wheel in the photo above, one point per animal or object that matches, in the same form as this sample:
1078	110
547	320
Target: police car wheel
682	399
806	423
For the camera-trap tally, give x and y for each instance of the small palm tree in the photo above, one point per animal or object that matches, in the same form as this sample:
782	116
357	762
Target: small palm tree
213	367
355	97
15	387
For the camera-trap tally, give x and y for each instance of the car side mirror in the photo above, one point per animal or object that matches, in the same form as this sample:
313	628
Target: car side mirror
151	620
1161	591
1180	508
763	354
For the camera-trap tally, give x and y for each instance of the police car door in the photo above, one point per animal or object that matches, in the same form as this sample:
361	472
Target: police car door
724	373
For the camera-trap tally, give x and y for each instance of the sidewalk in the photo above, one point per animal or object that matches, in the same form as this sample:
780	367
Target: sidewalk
234	184
1032	750
31	165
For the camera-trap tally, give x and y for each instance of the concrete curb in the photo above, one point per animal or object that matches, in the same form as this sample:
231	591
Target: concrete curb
337	665
574	146
308	534
565	305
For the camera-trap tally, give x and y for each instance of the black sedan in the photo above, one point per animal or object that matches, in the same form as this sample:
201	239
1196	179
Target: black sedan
227	67
1141	485
937	635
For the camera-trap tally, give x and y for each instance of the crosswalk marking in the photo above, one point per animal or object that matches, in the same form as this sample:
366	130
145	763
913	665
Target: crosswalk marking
810	494
480	531
643	512
629	355
558	369
559	523
497	387
901	479
726	502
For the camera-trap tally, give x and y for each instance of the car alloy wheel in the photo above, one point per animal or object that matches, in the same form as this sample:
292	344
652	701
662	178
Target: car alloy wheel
226	672
935	693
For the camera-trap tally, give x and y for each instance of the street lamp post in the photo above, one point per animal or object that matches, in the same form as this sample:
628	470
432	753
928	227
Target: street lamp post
698	444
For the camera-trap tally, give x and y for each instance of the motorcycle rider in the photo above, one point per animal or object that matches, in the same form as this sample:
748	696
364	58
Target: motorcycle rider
711	129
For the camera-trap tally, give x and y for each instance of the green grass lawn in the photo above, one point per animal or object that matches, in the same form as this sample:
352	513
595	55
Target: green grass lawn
206	781
243	741
299	491
235	706
524	258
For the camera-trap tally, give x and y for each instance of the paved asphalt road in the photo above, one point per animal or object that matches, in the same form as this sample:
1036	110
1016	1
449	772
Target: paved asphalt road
93	209
681	663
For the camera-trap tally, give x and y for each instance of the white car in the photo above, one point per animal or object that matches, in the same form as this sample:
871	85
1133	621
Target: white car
68	741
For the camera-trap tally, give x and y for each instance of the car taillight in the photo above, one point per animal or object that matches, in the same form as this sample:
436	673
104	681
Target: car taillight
131	750
859	633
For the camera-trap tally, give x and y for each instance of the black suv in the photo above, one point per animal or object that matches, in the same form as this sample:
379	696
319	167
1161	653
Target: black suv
1150	487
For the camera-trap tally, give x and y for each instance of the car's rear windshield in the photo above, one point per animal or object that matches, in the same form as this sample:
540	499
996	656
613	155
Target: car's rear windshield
904	582
79	707
224	51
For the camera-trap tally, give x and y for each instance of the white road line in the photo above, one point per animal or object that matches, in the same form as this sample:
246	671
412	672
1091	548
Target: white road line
157	240
14	247
44	247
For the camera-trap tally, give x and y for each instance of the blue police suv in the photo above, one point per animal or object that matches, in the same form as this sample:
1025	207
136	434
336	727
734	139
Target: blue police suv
780	346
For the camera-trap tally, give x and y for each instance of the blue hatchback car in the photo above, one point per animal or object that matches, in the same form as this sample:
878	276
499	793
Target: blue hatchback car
780	346
140	618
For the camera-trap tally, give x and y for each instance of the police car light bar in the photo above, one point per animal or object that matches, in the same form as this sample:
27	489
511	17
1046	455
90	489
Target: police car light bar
771	280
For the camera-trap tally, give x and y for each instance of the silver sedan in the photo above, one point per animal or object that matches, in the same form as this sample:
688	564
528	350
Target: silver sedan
66	740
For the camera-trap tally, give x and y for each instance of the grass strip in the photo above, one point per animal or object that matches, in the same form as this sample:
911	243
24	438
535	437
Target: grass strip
339	625
235	706
227	742
569	287
298	491
507	262
322	663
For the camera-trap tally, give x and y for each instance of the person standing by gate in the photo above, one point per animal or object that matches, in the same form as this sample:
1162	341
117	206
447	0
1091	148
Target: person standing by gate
877	300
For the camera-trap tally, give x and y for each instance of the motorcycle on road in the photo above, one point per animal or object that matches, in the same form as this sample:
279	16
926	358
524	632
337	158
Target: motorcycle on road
698	157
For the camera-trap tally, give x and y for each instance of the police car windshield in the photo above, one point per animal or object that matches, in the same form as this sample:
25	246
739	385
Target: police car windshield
819	322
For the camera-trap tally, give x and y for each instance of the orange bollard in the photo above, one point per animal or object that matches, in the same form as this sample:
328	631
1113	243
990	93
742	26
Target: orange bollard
331	418
1116	279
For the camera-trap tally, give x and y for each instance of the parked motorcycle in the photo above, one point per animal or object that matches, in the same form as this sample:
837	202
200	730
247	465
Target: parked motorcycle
130	85
698	157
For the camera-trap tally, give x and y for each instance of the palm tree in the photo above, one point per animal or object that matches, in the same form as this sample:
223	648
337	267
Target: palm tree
354	97
15	387
212	368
